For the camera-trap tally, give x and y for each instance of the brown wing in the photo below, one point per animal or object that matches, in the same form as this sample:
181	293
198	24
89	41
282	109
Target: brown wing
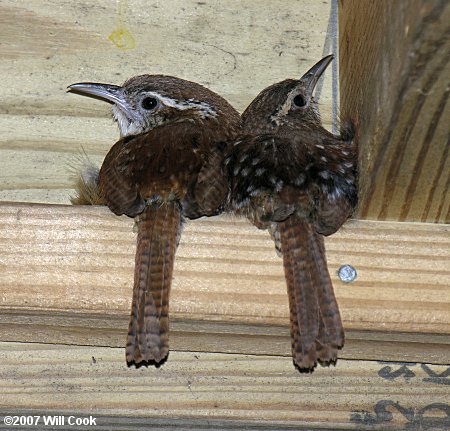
164	162
311	172
208	194
116	180
336	183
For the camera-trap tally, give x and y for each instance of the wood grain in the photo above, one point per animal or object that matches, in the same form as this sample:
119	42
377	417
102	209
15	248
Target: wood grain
66	277
395	64
47	45
216	391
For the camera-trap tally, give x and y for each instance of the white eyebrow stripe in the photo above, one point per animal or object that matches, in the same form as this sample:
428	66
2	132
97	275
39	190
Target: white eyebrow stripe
203	107
284	110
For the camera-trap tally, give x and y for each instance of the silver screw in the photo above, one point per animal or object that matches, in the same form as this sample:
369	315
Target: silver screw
347	273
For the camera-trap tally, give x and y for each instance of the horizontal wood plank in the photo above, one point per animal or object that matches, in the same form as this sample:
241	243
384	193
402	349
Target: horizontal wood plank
66	277
197	390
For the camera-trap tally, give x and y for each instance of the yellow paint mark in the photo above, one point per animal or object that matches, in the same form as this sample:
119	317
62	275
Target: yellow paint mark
121	36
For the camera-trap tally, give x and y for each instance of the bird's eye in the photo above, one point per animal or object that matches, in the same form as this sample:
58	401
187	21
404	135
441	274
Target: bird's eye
149	103
299	101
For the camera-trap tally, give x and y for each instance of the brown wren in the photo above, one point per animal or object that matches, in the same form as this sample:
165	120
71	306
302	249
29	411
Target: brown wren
292	177
167	165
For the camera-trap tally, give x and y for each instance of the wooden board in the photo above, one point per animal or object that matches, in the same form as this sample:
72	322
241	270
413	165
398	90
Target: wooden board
395	66
216	391
236	49
66	277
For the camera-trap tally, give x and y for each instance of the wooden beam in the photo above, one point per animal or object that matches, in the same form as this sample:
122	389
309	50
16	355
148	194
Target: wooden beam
394	69
209	391
66	277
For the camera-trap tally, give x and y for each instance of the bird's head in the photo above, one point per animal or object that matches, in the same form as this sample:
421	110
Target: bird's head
287	103
148	101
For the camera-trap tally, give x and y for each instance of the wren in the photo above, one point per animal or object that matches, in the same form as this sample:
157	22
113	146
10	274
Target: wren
291	176
167	165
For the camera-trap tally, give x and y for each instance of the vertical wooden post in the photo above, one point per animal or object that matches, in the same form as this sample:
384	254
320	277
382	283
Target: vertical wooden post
394	65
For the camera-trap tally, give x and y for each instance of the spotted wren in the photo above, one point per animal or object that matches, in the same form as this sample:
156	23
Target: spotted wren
291	176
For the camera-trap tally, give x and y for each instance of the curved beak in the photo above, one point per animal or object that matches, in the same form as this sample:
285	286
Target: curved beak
311	77
106	92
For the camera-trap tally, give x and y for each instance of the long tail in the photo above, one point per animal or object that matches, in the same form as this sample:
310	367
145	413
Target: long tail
331	332
148	334
316	328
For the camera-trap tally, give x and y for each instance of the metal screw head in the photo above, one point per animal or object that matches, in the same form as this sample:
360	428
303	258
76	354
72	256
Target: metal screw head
347	273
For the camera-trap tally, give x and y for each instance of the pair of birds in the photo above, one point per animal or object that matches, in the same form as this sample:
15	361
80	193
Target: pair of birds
186	152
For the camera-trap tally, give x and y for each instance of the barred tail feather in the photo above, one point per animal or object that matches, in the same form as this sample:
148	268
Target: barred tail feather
148	333
331	332
316	328
303	304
